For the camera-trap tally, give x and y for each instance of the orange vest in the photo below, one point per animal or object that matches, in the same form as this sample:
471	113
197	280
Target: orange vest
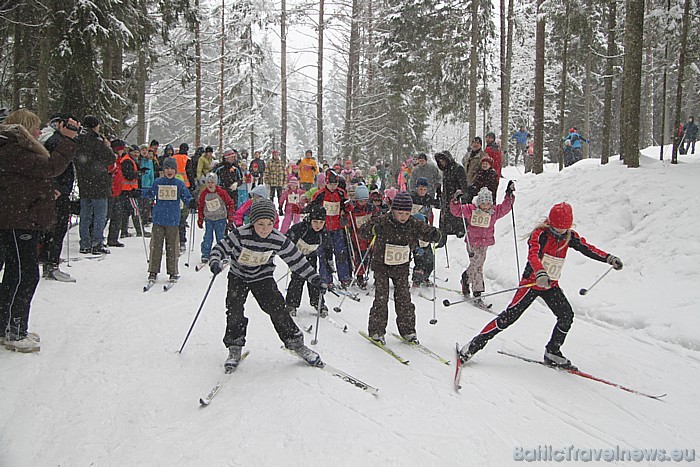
181	160
128	185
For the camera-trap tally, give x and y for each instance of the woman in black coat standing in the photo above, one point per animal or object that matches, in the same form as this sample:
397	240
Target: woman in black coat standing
454	178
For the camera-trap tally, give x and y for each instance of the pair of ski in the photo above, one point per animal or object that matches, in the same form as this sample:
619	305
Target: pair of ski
206	400
420	347
166	287
573	371
99	257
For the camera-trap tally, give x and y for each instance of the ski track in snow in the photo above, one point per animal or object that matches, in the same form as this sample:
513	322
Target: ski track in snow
109	388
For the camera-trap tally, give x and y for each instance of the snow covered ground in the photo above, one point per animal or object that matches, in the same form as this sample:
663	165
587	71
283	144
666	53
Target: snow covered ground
109	388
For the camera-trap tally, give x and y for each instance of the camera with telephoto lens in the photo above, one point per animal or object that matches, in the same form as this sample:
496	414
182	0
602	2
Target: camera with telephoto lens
70	126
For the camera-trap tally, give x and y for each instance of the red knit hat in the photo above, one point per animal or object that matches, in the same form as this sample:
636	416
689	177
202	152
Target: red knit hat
488	159
561	216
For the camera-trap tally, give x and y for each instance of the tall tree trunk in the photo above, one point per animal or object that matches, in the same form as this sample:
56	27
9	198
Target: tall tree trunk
221	82
587	116
632	81
564	76
46	46
351	81
141	97
538	162
251	94
506	60
681	75
664	88
473	67
319	83
283	66
609	70
646	135
198	80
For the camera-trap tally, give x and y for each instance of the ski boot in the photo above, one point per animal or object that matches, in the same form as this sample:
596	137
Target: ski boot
173	277
305	353
555	359
378	338
234	358
411	338
324	310
152	276
51	272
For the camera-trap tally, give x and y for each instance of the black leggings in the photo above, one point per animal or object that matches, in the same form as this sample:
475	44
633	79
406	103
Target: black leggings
19	281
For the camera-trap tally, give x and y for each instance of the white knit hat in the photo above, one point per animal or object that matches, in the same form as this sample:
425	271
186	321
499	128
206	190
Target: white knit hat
484	196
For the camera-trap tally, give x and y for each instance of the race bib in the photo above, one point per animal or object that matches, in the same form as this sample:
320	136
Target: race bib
213	204
416	208
292	198
167	192
423	244
332	208
395	255
254	258
362	220
305	248
480	219
553	266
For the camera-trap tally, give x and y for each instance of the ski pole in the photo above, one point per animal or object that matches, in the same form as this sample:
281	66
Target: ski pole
189	250
70	217
339	308
447	256
197	315
286	275
585	291
434	320
141	227
466	234
449	303
515	240
318	316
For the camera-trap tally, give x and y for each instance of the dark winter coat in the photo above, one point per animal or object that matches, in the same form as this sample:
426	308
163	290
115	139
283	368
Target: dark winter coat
484	178
453	179
691	131
66	180
389	231
303	231
26	178
92	162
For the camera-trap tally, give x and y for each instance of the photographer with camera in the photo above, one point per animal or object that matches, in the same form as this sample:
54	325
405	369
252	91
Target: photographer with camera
26	175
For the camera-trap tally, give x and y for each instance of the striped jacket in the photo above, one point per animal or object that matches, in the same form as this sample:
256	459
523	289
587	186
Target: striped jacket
252	257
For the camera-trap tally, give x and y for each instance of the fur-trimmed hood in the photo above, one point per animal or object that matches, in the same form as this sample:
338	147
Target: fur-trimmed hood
19	135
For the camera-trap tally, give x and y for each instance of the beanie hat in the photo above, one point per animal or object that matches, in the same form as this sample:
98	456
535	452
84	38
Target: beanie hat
143	146
184	147
402	202
332	176
561	216
375	196
422	156
317	213
422	182
293	181
484	196
90	121
262	209
420	217
169	163
260	190
390	192
118	145
209	149
477	139
361	193
213	177
491	134
488	159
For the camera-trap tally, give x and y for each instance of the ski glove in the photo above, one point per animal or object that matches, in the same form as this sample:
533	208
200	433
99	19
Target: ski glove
457	197
200	223
193	203
316	281
510	189
542	279
615	262
215	267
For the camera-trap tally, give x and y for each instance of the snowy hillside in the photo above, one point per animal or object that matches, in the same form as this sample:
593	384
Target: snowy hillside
109	388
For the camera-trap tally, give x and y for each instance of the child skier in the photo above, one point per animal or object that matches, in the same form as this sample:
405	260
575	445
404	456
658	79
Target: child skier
332	198
395	235
423	259
168	192
375	197
251	249
259	192
481	217
360	211
290	204
215	210
244	187
422	201
548	244
309	236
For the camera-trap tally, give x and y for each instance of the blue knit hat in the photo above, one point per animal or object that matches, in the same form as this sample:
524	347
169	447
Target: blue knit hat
361	193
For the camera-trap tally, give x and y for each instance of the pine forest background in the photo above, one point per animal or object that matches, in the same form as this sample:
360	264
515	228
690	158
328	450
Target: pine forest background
360	79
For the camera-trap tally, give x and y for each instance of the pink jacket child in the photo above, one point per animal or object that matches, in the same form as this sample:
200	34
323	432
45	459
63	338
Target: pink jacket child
482	223
242	213
290	202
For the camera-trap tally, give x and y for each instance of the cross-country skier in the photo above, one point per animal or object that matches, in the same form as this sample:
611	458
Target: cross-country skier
548	244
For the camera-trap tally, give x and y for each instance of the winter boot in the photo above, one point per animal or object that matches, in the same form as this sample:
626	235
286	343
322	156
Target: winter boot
361	282
465	354
116	244
291	310
464	282
378	339
411	338
152	276
234	358
174	277
100	249
25	345
311	357
57	275
554	358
